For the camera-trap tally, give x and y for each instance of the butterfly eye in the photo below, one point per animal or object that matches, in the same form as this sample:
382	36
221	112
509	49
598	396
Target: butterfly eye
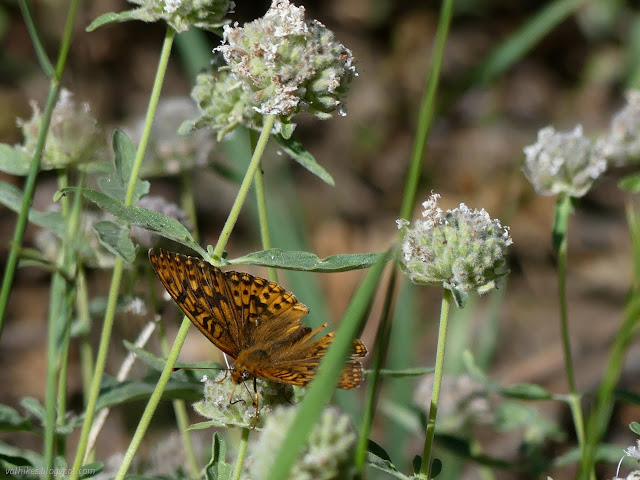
245	375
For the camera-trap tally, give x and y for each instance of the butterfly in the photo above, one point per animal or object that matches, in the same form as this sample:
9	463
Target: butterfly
253	320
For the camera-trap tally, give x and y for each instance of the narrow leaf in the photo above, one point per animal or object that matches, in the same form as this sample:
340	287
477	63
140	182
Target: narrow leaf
111	17
407	372
306	261
326	379
295	150
116	239
203	425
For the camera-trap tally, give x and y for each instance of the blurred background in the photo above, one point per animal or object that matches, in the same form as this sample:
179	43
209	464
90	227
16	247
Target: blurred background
491	105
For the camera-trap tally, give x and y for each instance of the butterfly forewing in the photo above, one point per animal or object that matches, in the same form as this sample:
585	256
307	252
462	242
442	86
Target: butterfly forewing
198	290
255	321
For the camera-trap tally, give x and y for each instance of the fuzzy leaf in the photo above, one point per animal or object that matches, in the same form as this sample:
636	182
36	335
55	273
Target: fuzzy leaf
11	197
309	262
115	238
128	391
13	161
635	427
12	421
218	468
111	17
116	184
142	217
295	150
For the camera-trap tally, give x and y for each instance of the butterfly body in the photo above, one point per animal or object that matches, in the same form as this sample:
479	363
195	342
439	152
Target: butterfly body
254	321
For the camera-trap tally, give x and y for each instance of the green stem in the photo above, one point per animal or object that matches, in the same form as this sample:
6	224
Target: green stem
427	110
560	233
380	353
244	186
172	358
182	416
263	220
425	467
86	350
119	263
560	240
30	185
242	450
35	40
187	200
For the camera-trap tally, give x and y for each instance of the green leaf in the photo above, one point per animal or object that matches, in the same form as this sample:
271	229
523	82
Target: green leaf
92	469
142	217
377	450
203	425
13	456
635	427
309	262
34	407
523	391
630	183
11	197
627	396
417	463
115	238
329	370
128	391
111	17
116	184
218	468
13	161
462	448
296	151
385	465
157	363
12	421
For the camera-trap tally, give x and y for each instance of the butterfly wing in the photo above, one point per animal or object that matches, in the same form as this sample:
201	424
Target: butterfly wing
297	362
202	293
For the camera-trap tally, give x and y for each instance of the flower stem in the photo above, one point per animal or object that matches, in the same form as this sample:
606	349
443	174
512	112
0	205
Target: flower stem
425	467
119	263
172	358
241	453
30	184
244	186
263	219
560	234
182	416
380	353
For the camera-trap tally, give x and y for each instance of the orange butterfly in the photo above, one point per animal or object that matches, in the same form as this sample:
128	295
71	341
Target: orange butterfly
253	320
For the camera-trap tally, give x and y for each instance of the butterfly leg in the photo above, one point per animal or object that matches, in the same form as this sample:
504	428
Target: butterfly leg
256	402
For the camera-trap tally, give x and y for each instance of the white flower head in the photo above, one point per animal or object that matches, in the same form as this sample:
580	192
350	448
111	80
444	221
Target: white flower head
463	250
563	162
621	145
